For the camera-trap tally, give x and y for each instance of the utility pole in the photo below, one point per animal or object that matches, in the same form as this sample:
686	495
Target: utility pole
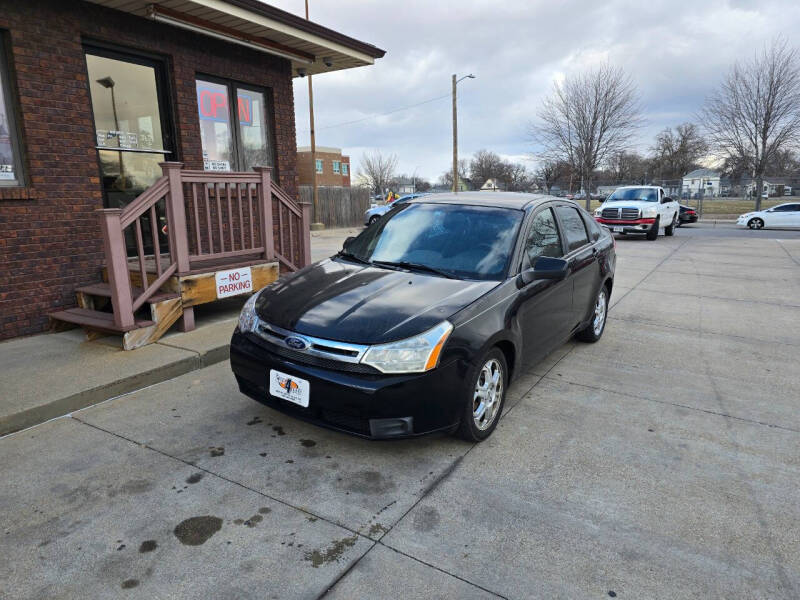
455	131
313	147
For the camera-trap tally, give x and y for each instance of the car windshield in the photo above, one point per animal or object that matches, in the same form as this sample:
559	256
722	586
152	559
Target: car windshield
638	194
467	242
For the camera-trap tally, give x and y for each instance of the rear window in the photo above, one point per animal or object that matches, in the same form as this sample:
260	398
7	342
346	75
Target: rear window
573	227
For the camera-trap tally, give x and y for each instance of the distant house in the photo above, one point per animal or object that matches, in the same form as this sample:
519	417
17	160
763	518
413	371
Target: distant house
704	182
772	186
493	185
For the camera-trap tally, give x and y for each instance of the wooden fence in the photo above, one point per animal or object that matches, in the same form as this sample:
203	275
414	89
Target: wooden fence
338	206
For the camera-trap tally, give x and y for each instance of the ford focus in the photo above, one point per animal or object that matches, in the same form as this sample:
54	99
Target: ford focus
423	320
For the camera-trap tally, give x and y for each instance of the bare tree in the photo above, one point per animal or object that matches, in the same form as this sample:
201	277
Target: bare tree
677	152
486	165
377	170
588	118
446	178
755	113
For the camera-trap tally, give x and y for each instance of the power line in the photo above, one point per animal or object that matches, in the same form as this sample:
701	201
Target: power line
353	122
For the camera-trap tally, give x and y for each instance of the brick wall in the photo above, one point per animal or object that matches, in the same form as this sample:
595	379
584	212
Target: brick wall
49	236
327	177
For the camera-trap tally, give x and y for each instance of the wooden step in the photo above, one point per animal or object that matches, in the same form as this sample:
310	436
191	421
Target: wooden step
94	319
104	290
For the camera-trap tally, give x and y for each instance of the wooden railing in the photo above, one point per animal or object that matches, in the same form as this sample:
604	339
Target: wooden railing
212	218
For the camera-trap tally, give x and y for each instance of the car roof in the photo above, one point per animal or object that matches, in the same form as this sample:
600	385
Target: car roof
626	187
516	200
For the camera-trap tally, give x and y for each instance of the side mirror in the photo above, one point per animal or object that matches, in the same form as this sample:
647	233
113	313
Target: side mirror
666	199
544	267
347	242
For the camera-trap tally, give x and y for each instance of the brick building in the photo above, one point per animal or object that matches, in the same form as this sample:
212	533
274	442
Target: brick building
333	169
93	98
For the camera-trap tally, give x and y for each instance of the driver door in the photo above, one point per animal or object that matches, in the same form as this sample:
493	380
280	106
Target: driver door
544	306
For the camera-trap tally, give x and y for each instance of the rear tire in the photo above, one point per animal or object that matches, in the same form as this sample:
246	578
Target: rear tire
485	393
652	234
597	325
670	229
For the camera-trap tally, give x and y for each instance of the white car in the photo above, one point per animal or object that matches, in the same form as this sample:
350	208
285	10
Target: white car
783	215
639	209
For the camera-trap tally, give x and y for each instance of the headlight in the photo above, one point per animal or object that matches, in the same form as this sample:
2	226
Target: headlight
650	211
414	355
598	212
248	320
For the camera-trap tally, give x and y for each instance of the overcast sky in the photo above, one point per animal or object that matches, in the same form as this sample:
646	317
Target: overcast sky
676	51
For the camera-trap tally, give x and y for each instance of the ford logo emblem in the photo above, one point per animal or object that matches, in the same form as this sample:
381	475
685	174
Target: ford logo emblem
296	343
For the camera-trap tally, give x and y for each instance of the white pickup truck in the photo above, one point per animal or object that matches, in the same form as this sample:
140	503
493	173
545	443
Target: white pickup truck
639	209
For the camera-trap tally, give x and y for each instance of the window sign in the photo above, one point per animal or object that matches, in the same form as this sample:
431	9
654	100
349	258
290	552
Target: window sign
10	173
227	147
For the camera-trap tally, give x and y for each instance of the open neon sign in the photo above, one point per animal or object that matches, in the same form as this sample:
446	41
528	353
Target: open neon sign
213	106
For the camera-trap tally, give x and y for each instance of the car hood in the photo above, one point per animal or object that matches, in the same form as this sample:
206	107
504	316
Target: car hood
347	302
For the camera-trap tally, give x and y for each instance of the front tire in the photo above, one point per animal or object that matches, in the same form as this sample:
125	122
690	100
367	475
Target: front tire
597	325
755	223
652	234
670	229
484	397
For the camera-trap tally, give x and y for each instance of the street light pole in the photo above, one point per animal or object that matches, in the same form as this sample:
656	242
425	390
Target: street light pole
455	130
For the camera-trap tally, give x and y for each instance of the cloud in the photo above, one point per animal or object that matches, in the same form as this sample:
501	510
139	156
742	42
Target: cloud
676	51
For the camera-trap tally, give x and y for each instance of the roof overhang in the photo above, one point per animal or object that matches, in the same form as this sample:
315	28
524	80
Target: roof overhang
310	47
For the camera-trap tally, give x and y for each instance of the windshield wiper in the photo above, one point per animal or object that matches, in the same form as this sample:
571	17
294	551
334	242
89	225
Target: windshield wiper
414	267
354	258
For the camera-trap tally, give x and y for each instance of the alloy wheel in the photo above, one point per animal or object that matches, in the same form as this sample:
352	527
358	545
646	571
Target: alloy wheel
488	394
600	310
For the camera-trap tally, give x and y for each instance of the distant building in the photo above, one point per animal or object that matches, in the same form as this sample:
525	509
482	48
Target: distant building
493	185
705	181
333	169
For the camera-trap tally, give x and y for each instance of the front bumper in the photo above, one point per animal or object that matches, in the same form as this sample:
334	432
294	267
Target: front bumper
367	404
628	226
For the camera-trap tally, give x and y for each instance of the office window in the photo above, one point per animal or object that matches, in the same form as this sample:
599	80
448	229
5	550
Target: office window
10	156
336	164
319	165
345	168
241	146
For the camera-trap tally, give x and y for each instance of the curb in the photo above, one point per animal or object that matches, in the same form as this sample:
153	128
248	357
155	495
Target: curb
83	399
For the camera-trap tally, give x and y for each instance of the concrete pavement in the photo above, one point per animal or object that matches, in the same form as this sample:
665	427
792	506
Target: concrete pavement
660	462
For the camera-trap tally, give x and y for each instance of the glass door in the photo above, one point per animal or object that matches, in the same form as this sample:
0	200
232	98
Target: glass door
132	135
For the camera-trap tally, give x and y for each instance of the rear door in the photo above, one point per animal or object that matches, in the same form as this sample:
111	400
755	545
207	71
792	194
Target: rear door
544	307
582	259
786	215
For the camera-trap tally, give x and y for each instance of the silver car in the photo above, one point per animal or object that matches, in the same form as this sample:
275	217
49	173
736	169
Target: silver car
374	213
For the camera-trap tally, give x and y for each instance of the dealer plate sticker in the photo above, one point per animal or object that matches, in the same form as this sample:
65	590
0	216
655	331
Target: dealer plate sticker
289	387
234	282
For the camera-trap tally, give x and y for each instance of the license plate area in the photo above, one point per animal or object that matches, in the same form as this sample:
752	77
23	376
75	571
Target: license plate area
616	229
289	387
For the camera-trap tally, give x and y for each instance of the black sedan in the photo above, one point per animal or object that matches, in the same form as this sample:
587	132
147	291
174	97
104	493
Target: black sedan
420	323
686	215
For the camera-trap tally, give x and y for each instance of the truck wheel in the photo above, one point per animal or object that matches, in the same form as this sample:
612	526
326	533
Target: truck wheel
653	233
597	324
484	397
670	229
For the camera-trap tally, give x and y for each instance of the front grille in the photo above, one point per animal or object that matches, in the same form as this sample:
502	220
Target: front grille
345	421
630	214
625	214
314	361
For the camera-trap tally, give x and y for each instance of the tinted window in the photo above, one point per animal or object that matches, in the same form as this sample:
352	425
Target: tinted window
572	225
471	242
787	208
543	238
594	229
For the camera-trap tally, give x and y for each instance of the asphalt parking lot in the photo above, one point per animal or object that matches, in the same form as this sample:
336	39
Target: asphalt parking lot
663	461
